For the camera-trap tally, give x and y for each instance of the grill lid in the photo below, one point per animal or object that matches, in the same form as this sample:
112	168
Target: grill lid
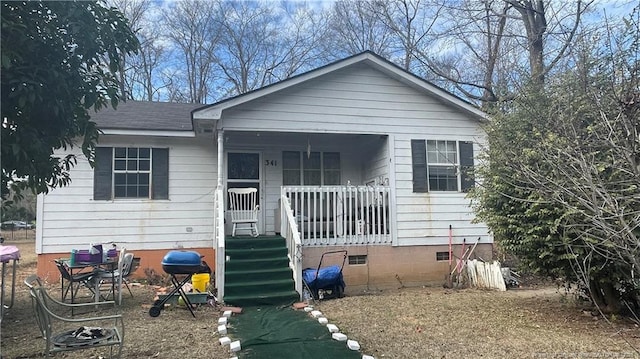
182	258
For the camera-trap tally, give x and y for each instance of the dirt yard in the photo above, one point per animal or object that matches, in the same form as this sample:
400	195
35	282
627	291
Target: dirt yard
405	323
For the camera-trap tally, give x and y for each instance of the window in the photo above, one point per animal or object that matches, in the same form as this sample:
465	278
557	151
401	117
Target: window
442	256
358	259
131	172
315	169
442	165
291	167
243	171
243	166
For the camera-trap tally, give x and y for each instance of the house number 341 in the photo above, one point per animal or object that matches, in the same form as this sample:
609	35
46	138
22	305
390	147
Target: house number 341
270	162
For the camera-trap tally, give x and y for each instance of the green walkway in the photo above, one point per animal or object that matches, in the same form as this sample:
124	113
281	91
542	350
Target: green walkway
272	332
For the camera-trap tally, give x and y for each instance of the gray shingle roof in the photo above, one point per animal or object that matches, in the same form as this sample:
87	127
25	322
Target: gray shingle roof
141	115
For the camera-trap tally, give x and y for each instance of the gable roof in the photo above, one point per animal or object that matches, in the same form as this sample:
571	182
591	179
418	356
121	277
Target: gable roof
146	115
214	111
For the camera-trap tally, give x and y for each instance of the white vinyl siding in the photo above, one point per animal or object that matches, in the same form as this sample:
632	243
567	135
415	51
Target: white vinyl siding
376	166
354	100
72	219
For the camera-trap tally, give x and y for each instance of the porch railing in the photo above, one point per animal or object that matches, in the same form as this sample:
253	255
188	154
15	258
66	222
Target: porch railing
289	229
219	245
340	215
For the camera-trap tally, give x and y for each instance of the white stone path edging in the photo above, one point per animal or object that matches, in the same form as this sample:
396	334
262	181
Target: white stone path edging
235	346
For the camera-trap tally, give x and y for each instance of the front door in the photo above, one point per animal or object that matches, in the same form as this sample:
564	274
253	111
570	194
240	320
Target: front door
243	171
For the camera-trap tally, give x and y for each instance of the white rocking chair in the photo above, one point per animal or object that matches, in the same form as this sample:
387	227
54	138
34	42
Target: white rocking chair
244	209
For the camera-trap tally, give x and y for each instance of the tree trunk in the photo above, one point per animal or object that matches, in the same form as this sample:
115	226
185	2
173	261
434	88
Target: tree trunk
605	297
535	24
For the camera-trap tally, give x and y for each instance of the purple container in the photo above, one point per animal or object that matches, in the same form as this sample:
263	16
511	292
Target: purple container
112	253
96	258
82	255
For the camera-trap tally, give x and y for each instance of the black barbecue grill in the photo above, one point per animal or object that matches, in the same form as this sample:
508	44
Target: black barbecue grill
175	263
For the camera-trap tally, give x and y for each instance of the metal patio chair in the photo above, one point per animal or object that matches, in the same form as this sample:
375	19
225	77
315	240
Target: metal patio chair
74	333
117	278
72	283
244	209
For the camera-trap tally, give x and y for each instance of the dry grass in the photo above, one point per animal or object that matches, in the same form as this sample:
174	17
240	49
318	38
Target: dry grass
404	323
171	335
439	323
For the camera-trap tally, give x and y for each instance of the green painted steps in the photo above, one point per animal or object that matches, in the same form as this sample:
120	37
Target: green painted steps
255	264
257	286
246	242
256	253
257	272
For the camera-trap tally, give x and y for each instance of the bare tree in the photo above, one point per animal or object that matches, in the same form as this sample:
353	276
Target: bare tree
355	27
134	11
303	31
476	49
192	28
142	78
494	44
412	23
533	15
261	44
149	80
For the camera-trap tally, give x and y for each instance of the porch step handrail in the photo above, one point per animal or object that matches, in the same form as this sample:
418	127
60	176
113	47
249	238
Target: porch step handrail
220	244
289	230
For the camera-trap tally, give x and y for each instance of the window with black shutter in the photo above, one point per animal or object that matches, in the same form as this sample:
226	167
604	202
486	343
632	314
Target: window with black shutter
442	165
131	172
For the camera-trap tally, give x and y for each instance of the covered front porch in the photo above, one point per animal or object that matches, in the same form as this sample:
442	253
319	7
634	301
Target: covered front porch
325	175
314	190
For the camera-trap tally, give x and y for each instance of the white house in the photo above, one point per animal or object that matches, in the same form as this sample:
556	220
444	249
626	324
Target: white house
358	154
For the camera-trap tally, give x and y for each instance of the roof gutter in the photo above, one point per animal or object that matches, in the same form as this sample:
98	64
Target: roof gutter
158	133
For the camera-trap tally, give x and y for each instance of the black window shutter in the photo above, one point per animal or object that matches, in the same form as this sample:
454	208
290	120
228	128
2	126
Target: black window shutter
160	173
466	166
419	165
102	174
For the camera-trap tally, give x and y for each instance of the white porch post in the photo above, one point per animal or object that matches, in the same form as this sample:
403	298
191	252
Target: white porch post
391	169
220	157
219	220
